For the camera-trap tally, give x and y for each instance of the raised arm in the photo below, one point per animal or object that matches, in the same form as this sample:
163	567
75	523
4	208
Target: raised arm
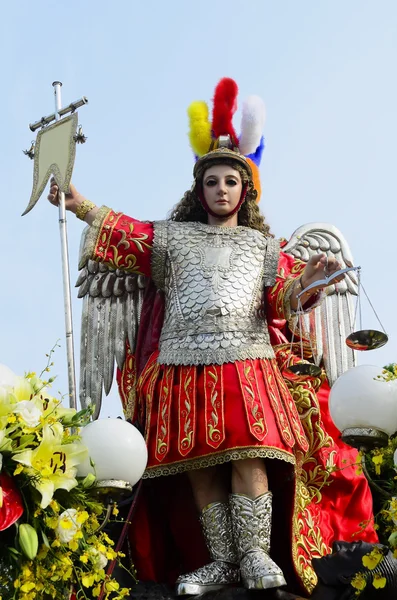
293	277
74	202
115	239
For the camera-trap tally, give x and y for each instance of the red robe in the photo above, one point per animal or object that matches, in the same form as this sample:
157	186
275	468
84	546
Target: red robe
198	416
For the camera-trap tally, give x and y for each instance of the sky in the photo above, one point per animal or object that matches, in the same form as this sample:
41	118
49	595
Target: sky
326	71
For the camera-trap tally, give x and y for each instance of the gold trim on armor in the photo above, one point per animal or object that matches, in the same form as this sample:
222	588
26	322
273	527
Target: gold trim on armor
219	458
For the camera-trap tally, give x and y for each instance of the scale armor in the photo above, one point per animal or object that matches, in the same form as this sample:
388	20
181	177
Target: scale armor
214	280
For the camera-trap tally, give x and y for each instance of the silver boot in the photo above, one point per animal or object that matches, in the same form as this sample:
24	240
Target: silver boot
252	520
224	571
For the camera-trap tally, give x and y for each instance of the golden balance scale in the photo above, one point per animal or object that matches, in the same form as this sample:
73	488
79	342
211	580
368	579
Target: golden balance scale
362	339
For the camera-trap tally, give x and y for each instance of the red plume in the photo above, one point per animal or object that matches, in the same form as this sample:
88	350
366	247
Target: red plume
225	105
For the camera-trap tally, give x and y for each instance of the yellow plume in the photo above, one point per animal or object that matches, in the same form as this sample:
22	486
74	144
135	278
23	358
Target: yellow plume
200	128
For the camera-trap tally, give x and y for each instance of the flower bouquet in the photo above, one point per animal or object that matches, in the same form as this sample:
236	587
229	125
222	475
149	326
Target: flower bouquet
51	545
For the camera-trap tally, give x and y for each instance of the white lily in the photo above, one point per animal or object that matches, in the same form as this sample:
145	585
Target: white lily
22	390
30	411
52	464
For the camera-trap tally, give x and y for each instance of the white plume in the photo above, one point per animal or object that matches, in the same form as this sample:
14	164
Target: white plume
252	124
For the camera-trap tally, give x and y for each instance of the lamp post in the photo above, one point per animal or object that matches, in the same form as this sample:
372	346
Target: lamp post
117	458
363	406
117	454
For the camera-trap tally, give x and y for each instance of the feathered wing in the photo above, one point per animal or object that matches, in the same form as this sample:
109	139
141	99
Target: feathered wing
112	302
331	322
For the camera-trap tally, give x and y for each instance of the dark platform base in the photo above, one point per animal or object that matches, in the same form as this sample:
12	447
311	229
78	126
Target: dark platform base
154	591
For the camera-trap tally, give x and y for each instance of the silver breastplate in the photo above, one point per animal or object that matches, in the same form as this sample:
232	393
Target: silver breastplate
214	280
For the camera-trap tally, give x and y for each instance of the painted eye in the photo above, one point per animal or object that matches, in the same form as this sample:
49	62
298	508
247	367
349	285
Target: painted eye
210	183
231	182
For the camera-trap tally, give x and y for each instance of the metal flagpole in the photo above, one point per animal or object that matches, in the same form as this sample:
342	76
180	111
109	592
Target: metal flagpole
63	173
66	273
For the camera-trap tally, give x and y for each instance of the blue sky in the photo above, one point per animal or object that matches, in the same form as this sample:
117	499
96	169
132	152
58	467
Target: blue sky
326	71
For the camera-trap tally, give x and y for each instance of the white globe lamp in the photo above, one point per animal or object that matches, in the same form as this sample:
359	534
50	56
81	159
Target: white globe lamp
118	455
364	407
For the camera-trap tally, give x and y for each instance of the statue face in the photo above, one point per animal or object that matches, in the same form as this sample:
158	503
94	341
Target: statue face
222	188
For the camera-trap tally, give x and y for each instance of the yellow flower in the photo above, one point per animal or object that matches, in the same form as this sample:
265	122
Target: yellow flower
82	516
73	545
358	582
52	464
110	554
18	469
123	593
372	559
26	572
379	582
55	506
51	522
27	587
358	464
107	539
377	460
88	580
111	586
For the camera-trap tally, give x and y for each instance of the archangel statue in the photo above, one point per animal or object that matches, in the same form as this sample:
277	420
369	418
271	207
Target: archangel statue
247	479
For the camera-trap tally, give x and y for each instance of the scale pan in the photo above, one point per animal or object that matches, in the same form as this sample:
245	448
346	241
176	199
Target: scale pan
366	339
305	370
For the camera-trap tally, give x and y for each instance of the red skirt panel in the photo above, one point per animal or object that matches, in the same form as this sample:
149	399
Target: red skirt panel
202	416
198	416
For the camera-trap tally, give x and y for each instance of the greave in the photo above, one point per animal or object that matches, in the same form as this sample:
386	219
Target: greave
252	521
224	570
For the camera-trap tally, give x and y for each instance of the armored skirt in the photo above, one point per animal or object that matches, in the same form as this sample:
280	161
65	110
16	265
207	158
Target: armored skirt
199	416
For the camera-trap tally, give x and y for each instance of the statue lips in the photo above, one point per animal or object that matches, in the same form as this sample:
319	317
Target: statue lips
12	505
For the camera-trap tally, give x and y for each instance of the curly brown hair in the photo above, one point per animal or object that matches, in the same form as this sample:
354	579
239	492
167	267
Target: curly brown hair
191	209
